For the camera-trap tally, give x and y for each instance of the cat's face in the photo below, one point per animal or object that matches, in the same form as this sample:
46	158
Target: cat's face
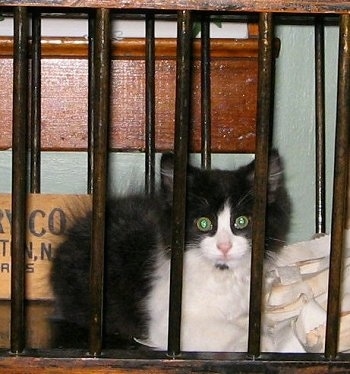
219	211
224	238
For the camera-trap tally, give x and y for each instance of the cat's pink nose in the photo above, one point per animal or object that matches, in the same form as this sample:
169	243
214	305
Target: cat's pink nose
224	247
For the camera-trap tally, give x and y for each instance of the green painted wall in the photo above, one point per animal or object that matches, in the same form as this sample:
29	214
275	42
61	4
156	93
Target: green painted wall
295	118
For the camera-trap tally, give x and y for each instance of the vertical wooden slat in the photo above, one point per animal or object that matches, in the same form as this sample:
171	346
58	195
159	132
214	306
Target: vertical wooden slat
19	176
320	126
35	133
182	118
341	167
150	106
101	119
205	94
91	101
265	93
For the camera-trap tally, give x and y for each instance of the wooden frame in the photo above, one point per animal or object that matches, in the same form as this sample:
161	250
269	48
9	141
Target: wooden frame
276	6
53	362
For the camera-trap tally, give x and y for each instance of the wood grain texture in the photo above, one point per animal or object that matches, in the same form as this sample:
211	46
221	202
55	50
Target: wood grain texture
134	48
48	218
38	325
301	6
215	363
64	97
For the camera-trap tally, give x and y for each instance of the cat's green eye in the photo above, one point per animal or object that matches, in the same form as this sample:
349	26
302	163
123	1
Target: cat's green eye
204	224
241	222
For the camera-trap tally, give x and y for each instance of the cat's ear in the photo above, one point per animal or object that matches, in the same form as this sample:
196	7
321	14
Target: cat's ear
275	174
167	173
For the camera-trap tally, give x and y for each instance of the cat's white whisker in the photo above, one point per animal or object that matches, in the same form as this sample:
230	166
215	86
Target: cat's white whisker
244	198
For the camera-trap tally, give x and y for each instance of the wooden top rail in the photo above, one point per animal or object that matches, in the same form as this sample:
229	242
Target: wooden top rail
278	6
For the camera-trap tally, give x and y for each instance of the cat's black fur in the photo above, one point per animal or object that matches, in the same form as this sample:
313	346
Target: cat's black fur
138	226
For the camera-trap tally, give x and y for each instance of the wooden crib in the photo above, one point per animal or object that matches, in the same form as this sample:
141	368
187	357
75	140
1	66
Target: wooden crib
84	112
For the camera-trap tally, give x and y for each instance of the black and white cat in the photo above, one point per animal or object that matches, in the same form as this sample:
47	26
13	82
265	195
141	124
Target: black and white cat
216	262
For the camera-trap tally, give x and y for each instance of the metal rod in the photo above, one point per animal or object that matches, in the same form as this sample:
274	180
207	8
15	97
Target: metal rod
35	138
182	119
341	169
150	106
91	108
101	119
320	126
205	94
265	92
19	177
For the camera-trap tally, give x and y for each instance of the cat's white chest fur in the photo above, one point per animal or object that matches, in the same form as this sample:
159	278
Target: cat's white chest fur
214	307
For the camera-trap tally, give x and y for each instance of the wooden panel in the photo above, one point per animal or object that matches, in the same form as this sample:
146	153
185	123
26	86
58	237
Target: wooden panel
38	324
64	96
48	218
301	6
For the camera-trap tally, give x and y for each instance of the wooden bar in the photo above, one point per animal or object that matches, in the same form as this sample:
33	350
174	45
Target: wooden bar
101	120
35	133
53	362
276	6
205	94
182	121
260	179
91	108
134	48
320	136
19	178
341	170
150	104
